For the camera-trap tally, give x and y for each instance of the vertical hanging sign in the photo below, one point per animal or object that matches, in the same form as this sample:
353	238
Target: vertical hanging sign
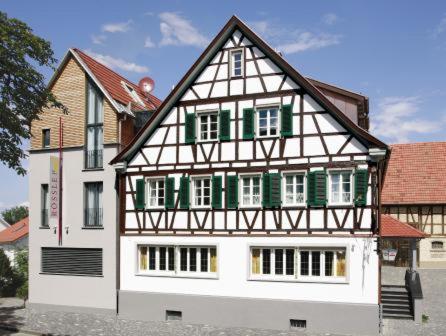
54	187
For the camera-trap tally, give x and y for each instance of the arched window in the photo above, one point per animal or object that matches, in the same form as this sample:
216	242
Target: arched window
437	245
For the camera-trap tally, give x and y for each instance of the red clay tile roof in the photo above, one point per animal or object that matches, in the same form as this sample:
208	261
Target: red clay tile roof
111	81
415	174
15	232
393	228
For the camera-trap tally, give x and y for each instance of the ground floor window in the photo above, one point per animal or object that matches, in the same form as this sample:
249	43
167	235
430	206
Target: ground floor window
299	263
177	260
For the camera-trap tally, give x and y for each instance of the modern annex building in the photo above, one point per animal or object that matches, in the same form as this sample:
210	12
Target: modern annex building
250	198
73	237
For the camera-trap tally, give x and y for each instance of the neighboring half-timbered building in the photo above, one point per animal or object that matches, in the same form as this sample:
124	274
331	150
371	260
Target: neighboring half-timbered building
415	192
250	199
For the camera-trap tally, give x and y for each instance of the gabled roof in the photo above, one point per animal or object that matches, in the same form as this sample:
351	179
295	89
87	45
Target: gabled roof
393	228
15	232
112	82
233	24
109	82
415	174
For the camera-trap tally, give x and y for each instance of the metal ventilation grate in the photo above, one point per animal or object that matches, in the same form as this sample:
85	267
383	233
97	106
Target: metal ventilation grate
298	324
173	315
71	261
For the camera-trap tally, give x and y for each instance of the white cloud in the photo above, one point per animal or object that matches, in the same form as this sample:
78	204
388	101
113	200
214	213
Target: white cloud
118	63
309	41
119	27
441	27
291	41
396	119
148	43
98	39
176	30
330	19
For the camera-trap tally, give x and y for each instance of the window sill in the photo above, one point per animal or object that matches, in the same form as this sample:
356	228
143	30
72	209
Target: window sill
206	207
207	141
178	275
295	206
92	228
267	137
92	169
44	227
343	206
76	275
342	281
251	207
161	208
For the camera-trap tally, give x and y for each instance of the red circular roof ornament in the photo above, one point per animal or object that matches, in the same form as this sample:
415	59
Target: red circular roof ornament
146	85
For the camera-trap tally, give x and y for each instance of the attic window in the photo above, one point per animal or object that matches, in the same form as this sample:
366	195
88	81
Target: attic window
136	98
237	63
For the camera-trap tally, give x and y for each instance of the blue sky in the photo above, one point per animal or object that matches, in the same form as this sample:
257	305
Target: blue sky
392	51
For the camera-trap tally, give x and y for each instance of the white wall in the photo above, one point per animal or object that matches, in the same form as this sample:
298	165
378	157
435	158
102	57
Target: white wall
96	292
233	268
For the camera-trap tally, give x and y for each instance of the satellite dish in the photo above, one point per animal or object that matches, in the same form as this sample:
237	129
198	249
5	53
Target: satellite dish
146	85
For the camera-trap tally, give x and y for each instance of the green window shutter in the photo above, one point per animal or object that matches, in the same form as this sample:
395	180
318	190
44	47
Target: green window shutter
286	121
216	192
225	125
317	188
140	194
361	185
275	190
190	128
266	190
184	192
170	192
231	189
248	123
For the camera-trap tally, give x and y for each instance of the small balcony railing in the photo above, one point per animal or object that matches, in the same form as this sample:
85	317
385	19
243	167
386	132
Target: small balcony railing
93	158
44	218
93	217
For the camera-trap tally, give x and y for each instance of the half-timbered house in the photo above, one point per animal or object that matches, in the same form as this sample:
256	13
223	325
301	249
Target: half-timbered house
251	199
415	192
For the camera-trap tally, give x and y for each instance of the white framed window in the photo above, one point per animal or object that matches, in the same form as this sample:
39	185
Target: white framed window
181	261
237	63
266	262
208	126
437	245
267	121
294	263
340	187
156	259
198	259
156	191
294	187
201	191
322	263
250	191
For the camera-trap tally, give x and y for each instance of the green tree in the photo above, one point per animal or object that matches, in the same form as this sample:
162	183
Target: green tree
21	270
14	214
7	276
23	92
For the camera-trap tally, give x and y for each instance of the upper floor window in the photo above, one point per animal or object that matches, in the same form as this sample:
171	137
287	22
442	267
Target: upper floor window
340	187
95	119
437	245
208	126
267	121
44	205
250	190
201	191
294	186
93	204
236	63
46	138
156	193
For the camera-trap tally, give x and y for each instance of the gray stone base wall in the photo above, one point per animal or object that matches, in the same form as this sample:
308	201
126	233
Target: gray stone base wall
323	317
43	307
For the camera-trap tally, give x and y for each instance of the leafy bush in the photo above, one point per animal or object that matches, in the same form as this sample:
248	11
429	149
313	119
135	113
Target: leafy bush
21	269
7	276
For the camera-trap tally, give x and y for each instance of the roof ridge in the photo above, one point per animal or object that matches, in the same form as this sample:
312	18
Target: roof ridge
418	143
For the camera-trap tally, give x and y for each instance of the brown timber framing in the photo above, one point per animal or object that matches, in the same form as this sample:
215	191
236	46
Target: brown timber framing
209	53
